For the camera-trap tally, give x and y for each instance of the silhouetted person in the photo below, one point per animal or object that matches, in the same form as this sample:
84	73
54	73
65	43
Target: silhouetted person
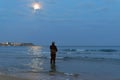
53	50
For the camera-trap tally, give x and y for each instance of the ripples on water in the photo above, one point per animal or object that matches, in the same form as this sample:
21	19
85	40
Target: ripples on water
35	59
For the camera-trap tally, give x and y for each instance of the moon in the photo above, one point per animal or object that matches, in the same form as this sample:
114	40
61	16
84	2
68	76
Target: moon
36	6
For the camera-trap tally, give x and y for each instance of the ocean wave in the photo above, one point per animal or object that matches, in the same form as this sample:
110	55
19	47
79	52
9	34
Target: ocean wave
73	50
89	56
90	50
108	50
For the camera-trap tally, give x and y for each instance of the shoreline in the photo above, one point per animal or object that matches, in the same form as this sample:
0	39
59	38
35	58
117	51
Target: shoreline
50	75
9	77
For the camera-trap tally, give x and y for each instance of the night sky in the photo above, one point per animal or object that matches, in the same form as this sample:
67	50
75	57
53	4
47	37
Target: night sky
67	22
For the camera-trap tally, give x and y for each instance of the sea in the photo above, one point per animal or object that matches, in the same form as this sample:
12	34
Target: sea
72	62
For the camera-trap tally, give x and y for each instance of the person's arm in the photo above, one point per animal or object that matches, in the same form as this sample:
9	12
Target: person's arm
56	48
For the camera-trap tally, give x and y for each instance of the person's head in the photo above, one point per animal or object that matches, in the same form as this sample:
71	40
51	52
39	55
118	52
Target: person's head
53	43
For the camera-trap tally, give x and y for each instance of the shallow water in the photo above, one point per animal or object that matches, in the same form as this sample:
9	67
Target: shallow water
73	62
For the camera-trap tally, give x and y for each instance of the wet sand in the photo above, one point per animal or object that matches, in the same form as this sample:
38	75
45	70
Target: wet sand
50	76
7	77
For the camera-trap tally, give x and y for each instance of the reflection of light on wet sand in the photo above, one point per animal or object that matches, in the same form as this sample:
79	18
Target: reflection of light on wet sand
36	62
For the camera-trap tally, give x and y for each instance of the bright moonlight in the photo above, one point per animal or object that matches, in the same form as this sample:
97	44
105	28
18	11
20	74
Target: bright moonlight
36	6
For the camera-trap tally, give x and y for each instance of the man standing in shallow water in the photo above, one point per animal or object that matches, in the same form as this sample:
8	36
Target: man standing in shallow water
53	50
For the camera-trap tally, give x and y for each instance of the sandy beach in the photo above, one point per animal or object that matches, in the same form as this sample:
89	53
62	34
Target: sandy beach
7	77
